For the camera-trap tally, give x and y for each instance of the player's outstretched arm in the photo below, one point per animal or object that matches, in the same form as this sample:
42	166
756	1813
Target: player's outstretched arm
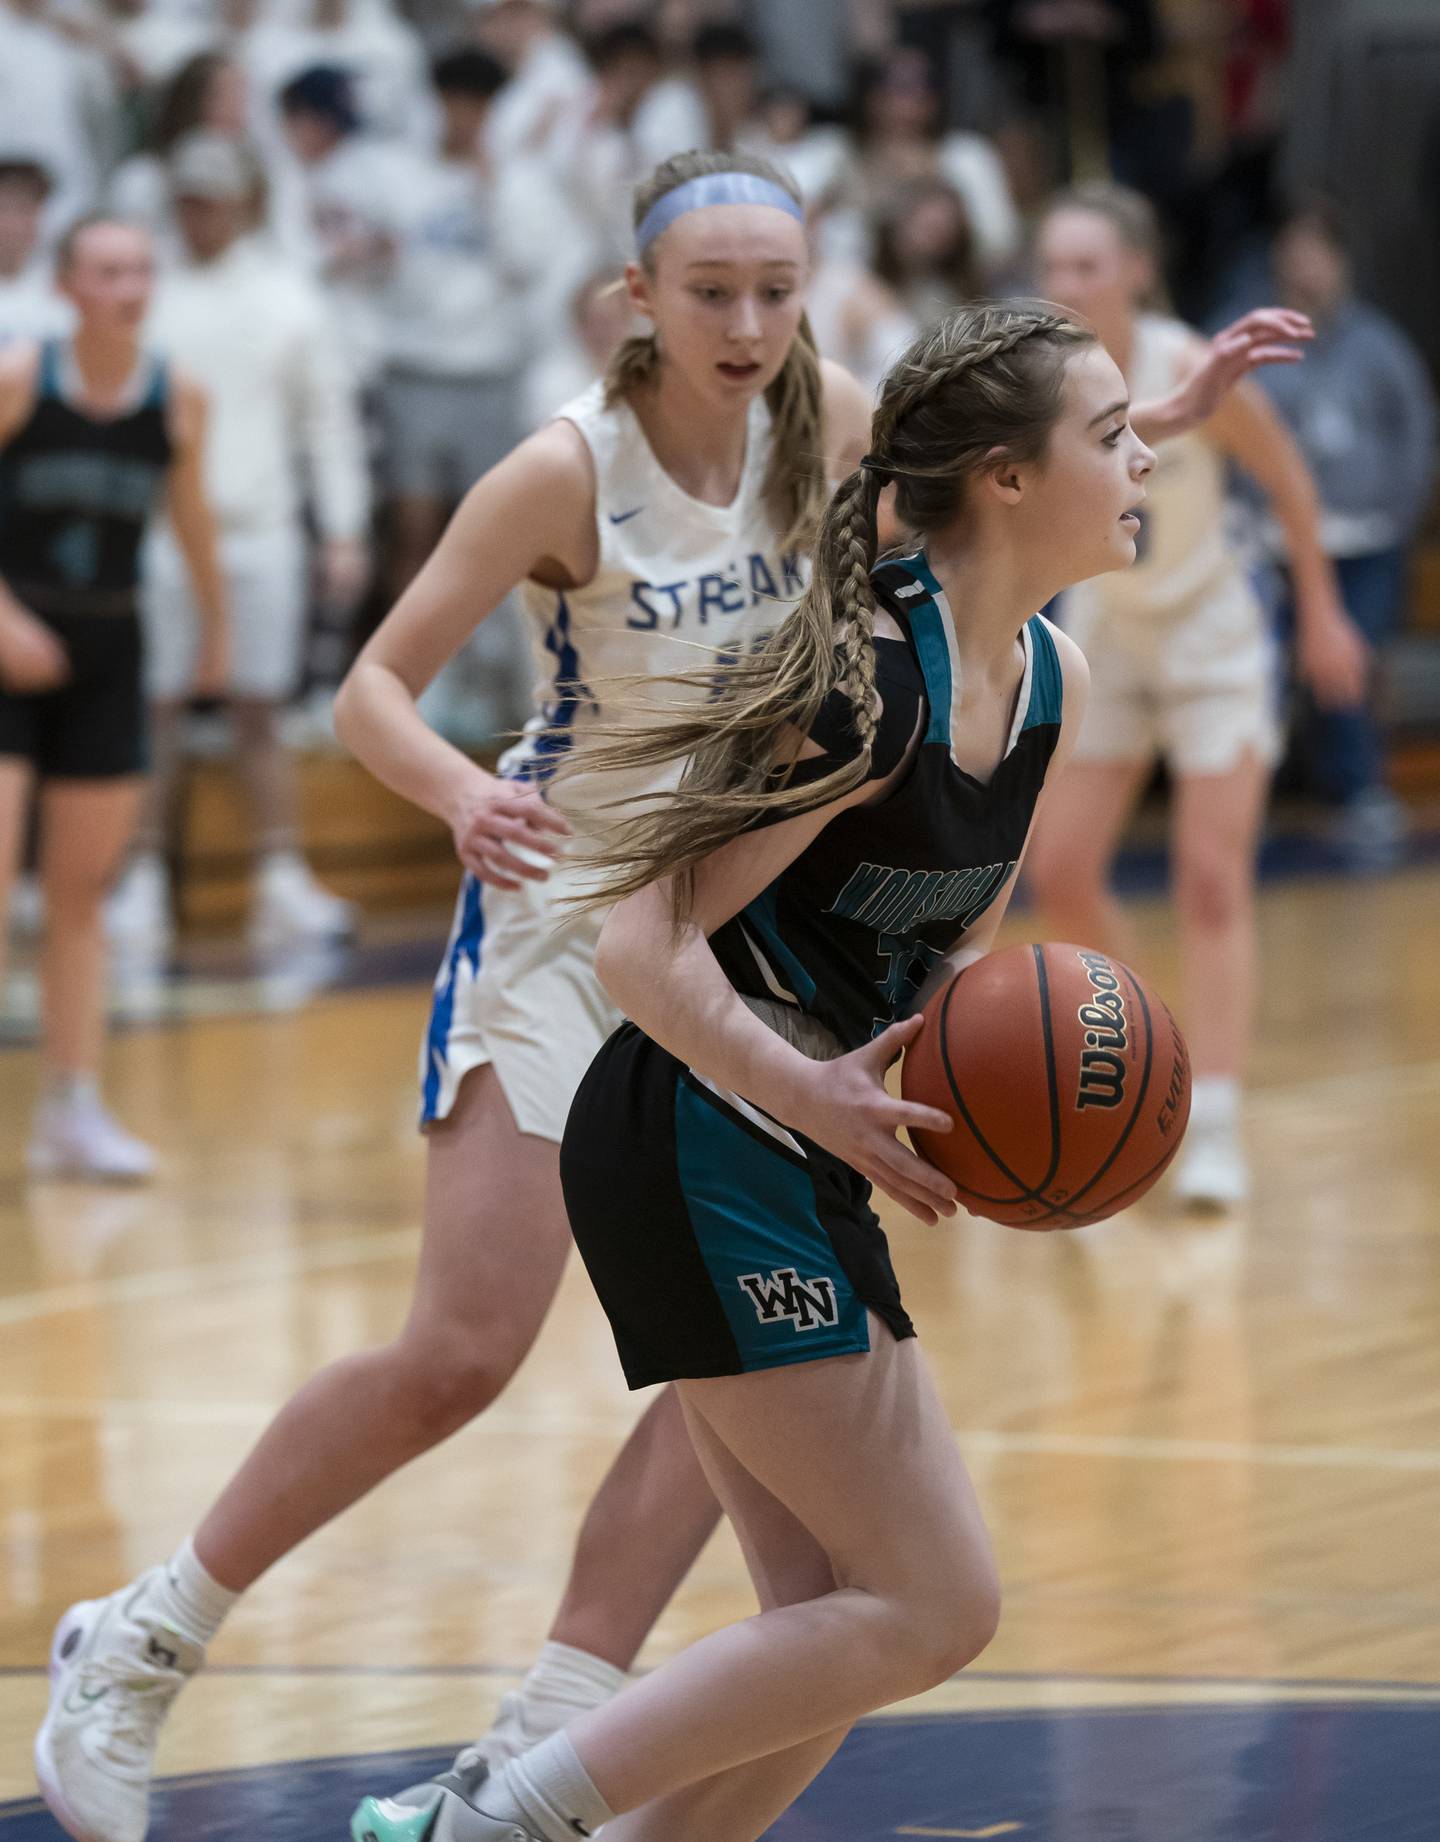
1268	336
534	513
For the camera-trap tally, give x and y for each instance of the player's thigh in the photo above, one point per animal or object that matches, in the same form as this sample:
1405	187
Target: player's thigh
496	1235
785	1561
1080	822
859	1451
1217	819
85	830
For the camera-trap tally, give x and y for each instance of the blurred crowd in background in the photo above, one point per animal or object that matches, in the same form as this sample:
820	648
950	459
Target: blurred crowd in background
390	232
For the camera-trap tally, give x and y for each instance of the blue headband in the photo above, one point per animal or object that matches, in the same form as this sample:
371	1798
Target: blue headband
713	189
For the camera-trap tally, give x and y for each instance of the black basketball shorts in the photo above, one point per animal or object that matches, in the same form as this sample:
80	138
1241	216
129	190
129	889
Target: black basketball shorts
718	1241
93	726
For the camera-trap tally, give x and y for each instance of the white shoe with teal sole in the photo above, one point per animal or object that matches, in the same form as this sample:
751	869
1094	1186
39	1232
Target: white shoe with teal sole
442	1811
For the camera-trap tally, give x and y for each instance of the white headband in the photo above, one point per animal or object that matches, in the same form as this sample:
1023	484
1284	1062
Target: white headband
713	189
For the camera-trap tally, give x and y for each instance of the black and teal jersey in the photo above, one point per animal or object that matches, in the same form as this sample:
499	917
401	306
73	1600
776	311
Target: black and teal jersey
76	492
849	930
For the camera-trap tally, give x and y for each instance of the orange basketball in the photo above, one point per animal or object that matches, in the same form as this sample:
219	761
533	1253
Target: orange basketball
1068	1081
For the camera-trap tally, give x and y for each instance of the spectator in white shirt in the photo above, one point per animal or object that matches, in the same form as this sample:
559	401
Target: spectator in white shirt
381	55
255	332
57	102
30	308
351	193
207	93
598	150
548	75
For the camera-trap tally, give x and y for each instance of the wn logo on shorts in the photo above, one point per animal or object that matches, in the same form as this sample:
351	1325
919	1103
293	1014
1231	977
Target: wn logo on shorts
784	1295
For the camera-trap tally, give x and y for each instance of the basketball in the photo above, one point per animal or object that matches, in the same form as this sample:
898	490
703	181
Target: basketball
1068	1081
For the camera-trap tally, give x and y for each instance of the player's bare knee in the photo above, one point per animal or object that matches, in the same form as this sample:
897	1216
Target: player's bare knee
444	1379
1211	893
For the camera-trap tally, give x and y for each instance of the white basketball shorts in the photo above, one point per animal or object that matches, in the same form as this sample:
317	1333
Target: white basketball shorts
1196	684
265	580
517	989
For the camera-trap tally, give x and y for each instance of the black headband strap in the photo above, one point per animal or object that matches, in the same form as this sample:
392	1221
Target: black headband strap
871	463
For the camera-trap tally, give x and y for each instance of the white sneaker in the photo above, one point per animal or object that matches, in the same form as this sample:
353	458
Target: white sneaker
113	1676
1212	1172
76	1137
137	916
27	907
510	1734
290	906
445	1810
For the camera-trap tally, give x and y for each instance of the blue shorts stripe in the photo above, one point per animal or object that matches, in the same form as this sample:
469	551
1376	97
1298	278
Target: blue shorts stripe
465	944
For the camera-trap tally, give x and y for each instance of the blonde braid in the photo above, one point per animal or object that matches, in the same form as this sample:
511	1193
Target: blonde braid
912	382
853	598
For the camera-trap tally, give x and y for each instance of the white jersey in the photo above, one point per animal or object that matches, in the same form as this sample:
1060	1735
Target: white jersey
678	583
1182	554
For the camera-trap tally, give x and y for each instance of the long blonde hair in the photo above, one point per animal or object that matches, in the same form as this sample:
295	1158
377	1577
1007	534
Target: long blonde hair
987	377
794	487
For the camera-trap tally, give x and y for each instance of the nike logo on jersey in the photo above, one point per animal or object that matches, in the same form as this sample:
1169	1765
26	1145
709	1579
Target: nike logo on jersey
624	517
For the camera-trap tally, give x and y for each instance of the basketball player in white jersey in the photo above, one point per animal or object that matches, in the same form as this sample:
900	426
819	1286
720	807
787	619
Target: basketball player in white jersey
656	514
1181	668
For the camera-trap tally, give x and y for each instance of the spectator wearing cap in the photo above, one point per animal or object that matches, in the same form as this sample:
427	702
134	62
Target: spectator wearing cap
30	308
350	192
208	92
254	330
380	54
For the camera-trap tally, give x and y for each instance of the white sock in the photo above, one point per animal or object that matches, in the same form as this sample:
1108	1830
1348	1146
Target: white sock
1215	1101
571	1678
190	1600
72	1090
549	1792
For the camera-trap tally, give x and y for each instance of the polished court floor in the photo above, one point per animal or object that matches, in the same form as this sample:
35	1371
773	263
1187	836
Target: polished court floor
1209	1450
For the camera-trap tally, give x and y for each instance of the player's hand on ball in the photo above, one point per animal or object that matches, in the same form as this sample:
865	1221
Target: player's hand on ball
32	659
845	1107
1333	658
506	835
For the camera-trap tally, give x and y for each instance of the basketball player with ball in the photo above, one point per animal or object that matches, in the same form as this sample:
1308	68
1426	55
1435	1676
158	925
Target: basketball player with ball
843	842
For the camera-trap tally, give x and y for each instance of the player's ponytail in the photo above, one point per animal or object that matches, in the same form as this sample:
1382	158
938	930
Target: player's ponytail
795	488
986	380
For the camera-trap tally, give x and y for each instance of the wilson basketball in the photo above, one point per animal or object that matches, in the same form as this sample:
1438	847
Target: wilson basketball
1068	1081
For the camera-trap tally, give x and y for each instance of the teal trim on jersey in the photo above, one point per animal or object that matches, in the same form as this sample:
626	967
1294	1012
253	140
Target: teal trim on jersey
752	1210
48	383
157	388
760	914
927	629
1047	685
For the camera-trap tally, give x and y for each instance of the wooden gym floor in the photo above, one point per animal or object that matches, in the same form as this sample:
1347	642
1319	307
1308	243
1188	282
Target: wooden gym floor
1209	1451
